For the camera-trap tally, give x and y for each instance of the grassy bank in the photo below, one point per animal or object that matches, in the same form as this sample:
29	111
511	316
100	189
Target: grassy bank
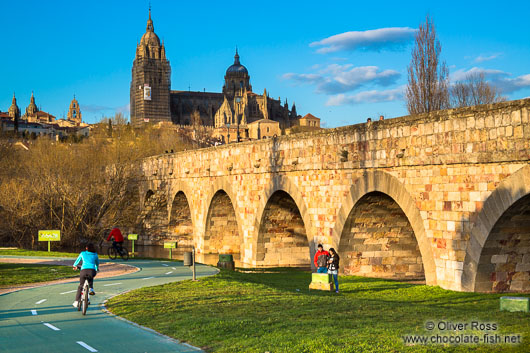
15	274
275	312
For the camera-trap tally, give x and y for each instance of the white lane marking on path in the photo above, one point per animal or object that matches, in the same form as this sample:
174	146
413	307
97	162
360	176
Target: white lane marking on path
41	301
147	278
111	284
52	327
165	265
70	291
83	344
168	273
33	312
173	268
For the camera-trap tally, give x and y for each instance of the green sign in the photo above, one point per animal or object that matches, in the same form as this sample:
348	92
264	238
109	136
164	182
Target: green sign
132	237
49	235
170	245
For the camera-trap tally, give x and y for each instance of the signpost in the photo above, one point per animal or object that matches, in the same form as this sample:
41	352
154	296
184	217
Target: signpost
132	237
49	235
170	245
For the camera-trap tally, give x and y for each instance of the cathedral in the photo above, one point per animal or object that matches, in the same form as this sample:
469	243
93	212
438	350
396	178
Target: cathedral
236	113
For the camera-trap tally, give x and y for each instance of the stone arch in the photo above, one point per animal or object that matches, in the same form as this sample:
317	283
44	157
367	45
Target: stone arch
154	216
180	226
385	183
498	204
281	183
221	202
282	237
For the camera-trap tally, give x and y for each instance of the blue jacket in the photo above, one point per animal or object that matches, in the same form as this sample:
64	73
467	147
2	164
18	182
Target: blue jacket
90	260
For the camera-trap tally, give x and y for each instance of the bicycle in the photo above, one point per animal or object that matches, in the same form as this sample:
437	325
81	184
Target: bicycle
115	250
83	303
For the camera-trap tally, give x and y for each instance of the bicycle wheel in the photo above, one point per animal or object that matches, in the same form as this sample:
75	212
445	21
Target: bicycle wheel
124	253
112	253
85	297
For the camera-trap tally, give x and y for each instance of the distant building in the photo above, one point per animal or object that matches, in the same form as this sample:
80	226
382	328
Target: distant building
232	110
40	123
14	110
34	115
309	120
74	112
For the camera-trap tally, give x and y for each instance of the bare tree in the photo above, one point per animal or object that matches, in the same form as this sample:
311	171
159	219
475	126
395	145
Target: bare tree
474	90
427	88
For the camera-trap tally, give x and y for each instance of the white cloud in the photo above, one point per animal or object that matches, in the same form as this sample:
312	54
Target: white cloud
392	38
94	108
483	57
373	96
337	78
498	78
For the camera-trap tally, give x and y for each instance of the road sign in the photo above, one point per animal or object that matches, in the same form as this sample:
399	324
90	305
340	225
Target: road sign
170	245
132	237
49	235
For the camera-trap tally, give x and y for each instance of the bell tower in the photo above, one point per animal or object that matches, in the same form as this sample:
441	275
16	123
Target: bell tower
151	80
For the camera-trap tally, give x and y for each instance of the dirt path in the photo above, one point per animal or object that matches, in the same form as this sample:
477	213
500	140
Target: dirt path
108	269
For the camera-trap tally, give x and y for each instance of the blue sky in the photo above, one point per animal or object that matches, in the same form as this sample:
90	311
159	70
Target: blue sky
342	61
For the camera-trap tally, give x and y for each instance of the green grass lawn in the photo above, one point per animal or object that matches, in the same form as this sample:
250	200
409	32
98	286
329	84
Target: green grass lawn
24	252
275	312
14	274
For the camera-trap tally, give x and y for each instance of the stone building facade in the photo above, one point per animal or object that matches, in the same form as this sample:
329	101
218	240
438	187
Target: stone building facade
234	108
444	196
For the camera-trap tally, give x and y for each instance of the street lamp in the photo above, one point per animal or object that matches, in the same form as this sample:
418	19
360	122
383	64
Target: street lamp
228	128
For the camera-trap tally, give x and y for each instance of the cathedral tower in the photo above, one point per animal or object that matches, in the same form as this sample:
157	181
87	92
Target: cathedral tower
32	109
151	80
74	112
236	79
14	110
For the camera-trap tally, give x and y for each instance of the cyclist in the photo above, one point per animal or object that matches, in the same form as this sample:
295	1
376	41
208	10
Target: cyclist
89	269
117	242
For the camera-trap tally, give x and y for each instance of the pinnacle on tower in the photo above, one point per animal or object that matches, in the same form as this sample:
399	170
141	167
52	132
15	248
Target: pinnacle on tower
236	58
150	27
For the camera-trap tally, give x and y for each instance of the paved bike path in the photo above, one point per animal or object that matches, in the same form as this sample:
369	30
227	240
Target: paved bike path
43	320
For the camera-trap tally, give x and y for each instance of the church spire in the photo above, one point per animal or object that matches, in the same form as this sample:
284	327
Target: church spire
236	58
150	27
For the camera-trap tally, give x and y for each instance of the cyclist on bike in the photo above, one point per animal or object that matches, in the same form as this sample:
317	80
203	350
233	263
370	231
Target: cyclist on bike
89	269
117	242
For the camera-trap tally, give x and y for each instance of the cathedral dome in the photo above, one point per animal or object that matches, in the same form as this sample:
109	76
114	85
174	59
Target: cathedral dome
150	38
237	68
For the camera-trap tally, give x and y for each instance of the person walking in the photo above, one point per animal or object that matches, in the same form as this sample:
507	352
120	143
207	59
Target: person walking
333	267
321	259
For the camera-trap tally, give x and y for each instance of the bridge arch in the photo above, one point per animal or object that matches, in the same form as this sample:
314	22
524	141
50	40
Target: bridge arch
491	251
222	220
383	184
154	215
181	222
281	195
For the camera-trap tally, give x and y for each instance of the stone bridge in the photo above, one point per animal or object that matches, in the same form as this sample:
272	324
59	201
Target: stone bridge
442	196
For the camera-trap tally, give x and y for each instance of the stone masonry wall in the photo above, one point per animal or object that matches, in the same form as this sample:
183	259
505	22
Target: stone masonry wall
378	241
282	236
451	173
505	260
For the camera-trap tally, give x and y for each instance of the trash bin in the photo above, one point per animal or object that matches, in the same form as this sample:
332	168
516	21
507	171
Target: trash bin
226	261
188	258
